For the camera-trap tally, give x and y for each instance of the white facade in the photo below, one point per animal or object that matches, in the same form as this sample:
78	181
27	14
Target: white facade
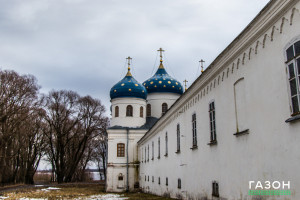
256	131
136	120
157	99
249	87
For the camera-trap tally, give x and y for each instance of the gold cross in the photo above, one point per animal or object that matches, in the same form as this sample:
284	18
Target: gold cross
202	61
129	59
185	81
161	50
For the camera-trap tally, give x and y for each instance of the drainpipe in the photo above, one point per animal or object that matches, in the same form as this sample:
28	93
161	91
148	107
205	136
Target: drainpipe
127	162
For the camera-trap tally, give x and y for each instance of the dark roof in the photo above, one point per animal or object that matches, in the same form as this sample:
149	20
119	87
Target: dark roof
150	121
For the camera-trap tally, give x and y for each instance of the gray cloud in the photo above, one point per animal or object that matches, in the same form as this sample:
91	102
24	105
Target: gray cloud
82	45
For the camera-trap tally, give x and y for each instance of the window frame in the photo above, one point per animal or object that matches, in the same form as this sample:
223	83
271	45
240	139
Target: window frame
166	144
178	137
142	112
129	111
117	111
212	122
194	130
120	150
295	61
158	150
148	110
215	189
164	108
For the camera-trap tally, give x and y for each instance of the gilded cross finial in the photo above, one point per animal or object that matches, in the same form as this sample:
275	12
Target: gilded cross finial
129	60
202	61
185	81
160	50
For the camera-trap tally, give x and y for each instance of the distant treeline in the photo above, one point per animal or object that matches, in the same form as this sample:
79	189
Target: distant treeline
66	128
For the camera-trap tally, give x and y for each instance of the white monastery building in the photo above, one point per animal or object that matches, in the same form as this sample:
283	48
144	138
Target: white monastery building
236	126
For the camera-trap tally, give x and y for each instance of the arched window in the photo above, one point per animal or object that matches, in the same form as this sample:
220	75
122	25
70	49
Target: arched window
148	110
293	68
141	111
129	111
120	150
164	108
120	177
117	111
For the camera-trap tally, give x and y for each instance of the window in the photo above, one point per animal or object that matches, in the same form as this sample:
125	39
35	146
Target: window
120	177
152	150
158	148
117	111
212	120
158	180
178	138
145	154
166	141
142	155
148	152
215	189
164	108
129	111
141	111
179	184
145	178
152	179
167	181
148	178
120	150
194	127
148	110
293	69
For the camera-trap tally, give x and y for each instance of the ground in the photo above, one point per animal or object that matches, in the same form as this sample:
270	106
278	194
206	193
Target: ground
89	191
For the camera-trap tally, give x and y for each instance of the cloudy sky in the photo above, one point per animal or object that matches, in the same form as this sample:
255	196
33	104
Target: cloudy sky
81	45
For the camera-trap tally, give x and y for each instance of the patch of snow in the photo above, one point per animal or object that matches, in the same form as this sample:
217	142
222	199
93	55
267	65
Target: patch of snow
31	199
1	197
39	186
106	197
50	188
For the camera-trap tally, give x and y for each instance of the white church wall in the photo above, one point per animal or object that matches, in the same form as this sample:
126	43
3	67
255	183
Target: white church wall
123	120
268	153
157	99
117	165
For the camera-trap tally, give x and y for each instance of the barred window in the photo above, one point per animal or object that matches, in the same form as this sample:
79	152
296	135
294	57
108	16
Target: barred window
120	150
179	184
167	181
164	108
194	127
212	120
215	189
293	70
178	138
148	110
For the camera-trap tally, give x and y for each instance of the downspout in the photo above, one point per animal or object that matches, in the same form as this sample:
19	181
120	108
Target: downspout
127	163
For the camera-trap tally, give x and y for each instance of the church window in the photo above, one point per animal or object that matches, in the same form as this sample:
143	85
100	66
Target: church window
212	120
152	150
120	150
167	181
178	138
141	111
148	152
158	180
117	111
164	108
148	110
145	178
166	141
142	155
120	177
194	128
293	70
215	189
129	111
179	184
158	148
148	178
152	179
145	154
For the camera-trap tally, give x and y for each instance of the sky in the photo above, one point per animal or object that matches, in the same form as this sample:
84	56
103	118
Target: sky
82	45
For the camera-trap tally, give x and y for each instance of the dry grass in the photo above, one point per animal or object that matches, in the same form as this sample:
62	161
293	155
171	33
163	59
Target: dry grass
72	191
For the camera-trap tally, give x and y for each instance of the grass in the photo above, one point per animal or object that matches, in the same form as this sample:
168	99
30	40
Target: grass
72	191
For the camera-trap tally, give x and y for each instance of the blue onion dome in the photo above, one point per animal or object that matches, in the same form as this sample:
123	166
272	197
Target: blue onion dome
161	81
128	87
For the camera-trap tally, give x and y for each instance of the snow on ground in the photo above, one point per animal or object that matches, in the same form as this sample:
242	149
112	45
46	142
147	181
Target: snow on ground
107	197
50	188
1	197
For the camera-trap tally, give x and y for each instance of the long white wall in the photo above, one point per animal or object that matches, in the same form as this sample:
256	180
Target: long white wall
270	152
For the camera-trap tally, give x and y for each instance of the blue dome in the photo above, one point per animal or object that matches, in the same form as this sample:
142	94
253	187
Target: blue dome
161	81
128	87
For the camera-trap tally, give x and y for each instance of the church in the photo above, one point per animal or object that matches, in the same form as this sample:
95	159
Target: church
233	134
